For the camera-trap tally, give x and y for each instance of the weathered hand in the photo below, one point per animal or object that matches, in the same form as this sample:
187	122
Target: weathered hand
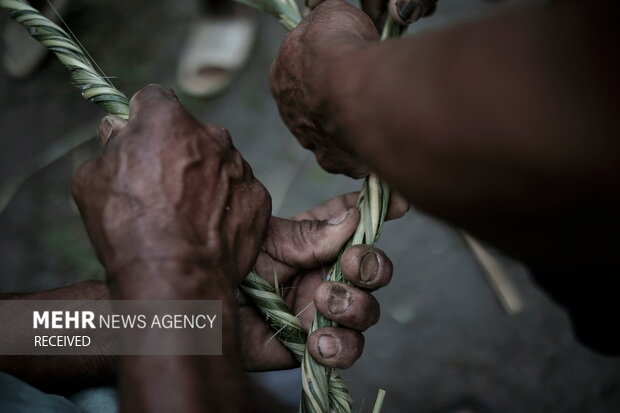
168	187
309	78
304	74
298	253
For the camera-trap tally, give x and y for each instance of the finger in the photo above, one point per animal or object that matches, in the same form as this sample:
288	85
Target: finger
398	206
335	206
308	243
405	12
154	105
347	305
272	270
331	208
260	350
109	127
335	347
366	266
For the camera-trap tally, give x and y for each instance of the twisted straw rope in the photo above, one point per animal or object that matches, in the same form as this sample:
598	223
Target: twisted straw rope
286	326
373	203
324	389
94	86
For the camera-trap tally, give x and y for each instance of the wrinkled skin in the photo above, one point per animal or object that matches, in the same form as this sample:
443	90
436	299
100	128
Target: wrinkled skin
141	225
299	253
505	126
176	188
299	82
174	212
301	75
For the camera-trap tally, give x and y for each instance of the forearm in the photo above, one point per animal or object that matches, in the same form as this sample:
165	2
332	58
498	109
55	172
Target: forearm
508	115
59	373
183	383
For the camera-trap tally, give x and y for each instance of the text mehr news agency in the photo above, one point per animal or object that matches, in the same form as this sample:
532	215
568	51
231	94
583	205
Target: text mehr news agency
63	320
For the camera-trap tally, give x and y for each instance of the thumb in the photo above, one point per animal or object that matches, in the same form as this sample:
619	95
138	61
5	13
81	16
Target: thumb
308	243
109	127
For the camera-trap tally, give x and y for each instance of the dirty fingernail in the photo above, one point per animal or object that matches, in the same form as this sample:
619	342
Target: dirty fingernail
405	9
337	220
369	267
339	299
328	346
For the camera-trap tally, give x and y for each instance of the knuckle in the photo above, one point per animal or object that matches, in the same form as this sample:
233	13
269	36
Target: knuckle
155	90
236	166
141	94
224	135
154	98
304	233
221	137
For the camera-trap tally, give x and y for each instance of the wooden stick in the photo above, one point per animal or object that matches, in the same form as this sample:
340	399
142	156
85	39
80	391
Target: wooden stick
504	288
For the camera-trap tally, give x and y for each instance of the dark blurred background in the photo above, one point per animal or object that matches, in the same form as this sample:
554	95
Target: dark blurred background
444	343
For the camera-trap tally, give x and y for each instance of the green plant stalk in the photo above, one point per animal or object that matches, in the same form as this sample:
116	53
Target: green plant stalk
92	84
286	327
373	204
324	389
379	402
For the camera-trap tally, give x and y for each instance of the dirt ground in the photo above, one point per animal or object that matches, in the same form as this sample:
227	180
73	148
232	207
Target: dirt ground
444	344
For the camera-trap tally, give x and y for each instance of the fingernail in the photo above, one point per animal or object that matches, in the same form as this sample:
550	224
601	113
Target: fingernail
406	8
108	125
105	130
328	346
339	299
337	220
369	267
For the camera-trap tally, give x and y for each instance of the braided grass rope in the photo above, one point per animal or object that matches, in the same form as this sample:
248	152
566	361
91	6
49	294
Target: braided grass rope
286	327
93	85
324	389
373	203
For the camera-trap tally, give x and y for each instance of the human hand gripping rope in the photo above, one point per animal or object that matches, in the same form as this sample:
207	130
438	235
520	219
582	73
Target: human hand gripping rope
323	388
